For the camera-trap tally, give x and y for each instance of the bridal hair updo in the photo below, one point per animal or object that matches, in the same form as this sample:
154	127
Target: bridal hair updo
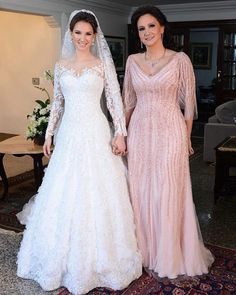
85	17
159	16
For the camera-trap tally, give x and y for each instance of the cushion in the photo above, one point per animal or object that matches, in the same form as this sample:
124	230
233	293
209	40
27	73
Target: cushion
213	119
226	112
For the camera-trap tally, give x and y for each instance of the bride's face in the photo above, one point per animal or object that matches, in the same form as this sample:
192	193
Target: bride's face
82	35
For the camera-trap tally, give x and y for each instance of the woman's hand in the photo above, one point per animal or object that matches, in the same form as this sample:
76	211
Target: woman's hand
119	145
190	149
47	146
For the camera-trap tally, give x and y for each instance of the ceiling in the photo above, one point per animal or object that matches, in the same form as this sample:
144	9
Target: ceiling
134	3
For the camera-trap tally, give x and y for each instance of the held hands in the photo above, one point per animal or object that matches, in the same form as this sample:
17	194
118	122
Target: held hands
119	146
47	146
190	149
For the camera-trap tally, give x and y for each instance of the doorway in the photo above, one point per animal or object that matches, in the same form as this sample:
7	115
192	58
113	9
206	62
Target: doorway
223	58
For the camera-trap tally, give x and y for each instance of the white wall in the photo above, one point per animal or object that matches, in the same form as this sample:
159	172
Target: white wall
28	47
204	77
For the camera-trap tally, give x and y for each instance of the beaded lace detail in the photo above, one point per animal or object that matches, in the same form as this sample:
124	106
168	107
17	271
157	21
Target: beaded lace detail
115	107
57	106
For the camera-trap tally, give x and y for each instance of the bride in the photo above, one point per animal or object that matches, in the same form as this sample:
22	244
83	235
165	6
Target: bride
79	228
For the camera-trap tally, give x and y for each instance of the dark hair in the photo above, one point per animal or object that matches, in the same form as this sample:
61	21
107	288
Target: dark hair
85	17
155	12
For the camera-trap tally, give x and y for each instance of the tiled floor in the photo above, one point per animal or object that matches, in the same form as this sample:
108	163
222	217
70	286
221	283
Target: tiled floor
217	221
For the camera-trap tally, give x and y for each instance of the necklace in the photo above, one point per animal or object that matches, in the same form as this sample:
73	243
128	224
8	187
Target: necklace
153	63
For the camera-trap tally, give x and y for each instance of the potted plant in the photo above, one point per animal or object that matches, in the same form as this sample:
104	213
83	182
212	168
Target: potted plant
38	120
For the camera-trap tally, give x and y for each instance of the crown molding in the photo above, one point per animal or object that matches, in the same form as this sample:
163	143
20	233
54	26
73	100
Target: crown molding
199	11
200	6
49	7
40	7
102	5
51	21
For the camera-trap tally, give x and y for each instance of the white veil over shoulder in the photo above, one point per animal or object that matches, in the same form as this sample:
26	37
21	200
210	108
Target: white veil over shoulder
112	89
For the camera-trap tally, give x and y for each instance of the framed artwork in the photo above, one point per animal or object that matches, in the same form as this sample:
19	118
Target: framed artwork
201	55
118	49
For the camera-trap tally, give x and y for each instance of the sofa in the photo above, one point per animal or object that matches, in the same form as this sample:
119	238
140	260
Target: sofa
219	126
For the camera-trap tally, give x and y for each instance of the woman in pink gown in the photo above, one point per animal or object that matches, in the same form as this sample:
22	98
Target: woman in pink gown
158	84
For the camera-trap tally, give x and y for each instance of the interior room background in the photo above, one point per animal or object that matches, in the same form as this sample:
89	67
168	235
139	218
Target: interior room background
30	38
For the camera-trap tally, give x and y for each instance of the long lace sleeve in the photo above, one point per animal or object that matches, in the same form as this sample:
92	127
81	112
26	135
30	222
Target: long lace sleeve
187	88
114	101
57	106
129	95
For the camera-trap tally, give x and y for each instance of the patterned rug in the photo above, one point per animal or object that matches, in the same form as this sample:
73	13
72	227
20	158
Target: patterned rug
221	280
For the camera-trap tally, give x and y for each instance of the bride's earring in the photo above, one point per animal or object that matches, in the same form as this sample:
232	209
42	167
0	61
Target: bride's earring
141	45
93	42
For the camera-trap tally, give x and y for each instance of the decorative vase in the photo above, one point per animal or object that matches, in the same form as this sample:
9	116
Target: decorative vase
39	139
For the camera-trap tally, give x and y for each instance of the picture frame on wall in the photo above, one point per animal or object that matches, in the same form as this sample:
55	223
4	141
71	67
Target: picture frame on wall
117	46
201	55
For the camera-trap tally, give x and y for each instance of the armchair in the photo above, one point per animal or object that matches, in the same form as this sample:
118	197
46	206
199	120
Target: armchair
219	126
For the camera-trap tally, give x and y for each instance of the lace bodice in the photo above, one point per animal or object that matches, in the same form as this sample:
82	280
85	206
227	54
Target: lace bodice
64	76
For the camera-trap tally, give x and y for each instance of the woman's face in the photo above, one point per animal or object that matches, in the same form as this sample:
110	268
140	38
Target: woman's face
82	35
149	30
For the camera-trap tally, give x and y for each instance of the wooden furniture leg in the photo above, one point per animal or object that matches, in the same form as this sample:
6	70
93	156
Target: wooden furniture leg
4	177
38	169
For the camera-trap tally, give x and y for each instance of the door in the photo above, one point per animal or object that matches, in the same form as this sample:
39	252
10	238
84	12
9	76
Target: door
179	39
226	64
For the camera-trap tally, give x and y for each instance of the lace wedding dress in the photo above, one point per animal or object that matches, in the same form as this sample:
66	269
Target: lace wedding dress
79	227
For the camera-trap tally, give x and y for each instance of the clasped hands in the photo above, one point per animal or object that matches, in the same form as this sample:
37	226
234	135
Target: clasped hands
119	145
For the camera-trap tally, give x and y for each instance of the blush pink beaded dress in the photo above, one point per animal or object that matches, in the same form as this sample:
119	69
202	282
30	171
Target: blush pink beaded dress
166	224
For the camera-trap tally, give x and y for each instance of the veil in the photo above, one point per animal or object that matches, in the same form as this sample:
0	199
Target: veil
112	88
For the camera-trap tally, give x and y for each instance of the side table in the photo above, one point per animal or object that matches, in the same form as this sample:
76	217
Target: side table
225	158
18	146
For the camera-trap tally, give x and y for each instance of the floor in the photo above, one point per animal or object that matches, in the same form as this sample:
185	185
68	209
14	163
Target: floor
217	221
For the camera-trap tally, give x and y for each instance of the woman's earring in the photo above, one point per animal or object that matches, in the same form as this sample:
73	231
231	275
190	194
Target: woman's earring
141	45
162	36
93	42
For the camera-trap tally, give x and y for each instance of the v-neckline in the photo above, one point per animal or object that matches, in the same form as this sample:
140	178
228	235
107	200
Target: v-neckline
151	76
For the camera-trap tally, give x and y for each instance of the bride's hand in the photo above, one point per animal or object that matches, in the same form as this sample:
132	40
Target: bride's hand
119	145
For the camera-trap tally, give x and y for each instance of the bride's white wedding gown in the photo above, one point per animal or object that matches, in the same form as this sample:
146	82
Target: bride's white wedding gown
79	227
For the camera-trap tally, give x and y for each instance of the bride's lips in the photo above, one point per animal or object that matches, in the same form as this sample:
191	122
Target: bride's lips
82	43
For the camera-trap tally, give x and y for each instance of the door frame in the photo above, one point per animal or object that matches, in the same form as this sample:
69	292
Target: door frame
222	25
